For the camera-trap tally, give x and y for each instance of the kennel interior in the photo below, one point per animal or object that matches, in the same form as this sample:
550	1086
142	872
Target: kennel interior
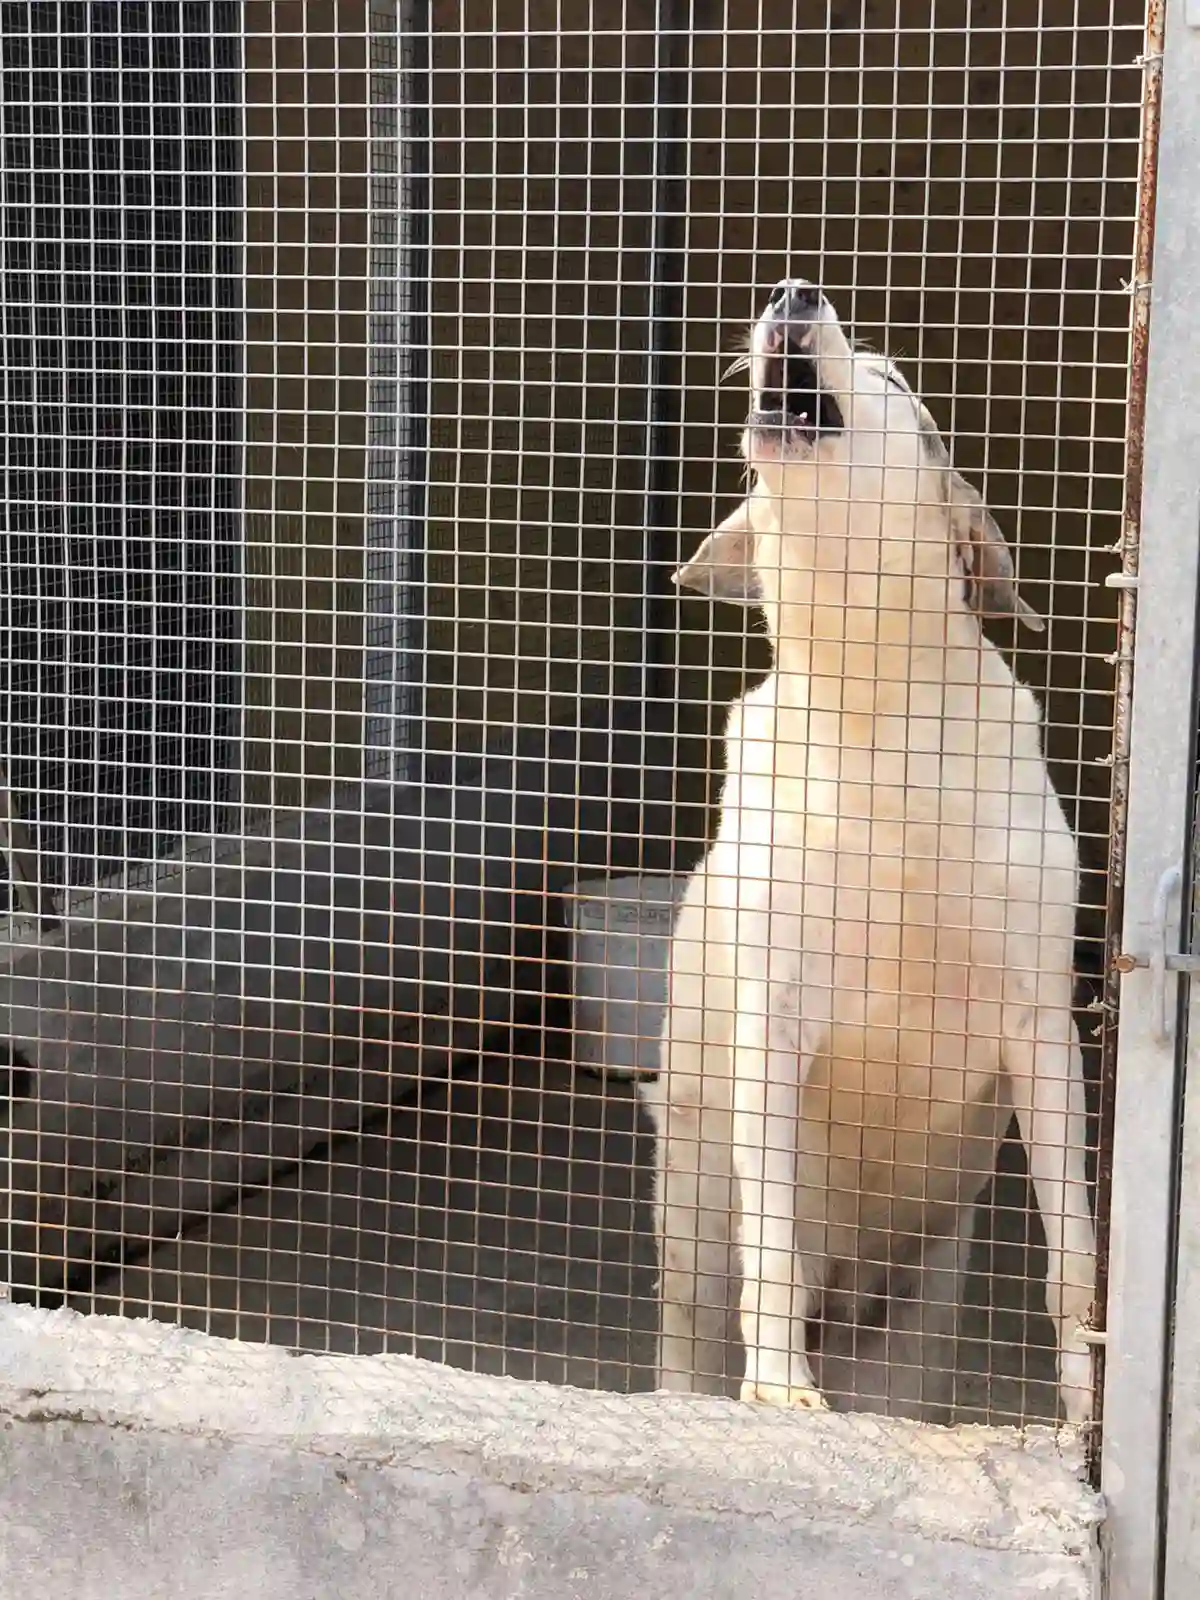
361	377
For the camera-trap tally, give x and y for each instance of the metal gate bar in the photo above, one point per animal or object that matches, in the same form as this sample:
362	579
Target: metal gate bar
1181	1566
1164	572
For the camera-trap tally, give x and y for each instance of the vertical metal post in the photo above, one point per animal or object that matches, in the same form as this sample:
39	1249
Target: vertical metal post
1181	1565
398	389
1162	562
415	91
663	402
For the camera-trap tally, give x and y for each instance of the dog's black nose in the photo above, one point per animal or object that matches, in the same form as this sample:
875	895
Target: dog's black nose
796	302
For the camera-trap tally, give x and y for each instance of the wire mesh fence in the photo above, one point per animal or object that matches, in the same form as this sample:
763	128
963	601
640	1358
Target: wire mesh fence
362	395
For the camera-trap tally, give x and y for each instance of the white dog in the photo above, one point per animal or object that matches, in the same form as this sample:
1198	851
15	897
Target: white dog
873	967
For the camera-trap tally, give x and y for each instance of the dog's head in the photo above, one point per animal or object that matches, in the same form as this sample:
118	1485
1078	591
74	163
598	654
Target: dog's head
803	387
835	427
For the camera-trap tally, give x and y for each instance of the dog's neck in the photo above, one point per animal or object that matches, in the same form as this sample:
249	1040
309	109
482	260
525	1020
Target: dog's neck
859	606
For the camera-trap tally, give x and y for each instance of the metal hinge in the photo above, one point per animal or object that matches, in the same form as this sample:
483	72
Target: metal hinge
1163	963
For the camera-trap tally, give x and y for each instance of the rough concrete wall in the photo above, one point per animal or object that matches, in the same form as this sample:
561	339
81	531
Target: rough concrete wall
143	1461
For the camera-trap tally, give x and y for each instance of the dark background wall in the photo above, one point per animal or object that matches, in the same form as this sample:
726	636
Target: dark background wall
961	181
120	424
964	190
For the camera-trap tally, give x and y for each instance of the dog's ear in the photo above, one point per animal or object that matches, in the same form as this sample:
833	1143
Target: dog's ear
986	559
723	567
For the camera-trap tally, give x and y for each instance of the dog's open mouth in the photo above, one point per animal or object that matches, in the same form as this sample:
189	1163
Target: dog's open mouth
790	404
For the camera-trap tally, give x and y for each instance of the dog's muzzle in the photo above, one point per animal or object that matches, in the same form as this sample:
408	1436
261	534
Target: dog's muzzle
788	404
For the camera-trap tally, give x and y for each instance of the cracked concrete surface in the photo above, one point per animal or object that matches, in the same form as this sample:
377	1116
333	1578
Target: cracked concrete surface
145	1460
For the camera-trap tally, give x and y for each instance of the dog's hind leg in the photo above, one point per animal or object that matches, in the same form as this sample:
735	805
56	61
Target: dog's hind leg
1045	1067
771	1060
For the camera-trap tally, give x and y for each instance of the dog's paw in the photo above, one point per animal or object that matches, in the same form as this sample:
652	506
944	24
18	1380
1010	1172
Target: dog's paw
795	1397
1075	1386
1077	1405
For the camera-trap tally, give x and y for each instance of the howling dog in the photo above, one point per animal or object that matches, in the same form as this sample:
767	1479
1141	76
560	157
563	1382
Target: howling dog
872	969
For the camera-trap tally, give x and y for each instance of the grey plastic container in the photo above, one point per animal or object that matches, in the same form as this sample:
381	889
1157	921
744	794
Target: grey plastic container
621	931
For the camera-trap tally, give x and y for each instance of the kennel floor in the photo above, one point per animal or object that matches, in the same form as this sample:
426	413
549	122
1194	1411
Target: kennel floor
501	1223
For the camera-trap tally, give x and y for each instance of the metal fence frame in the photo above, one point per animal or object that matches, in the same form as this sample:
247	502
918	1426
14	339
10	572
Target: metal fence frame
1149	1535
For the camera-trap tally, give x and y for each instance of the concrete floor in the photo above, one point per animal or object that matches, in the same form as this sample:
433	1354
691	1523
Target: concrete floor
501	1224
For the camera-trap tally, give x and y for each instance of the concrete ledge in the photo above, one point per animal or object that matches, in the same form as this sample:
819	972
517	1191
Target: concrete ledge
146	1461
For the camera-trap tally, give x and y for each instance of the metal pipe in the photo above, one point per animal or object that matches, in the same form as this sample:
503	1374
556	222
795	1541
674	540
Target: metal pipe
1126	582
663	397
416	133
1156	827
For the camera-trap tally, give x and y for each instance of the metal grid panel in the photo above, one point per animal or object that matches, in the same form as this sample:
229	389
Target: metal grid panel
250	1127
398	402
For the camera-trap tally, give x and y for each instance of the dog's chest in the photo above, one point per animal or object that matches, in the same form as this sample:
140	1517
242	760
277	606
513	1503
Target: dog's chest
928	810
928	755
784	793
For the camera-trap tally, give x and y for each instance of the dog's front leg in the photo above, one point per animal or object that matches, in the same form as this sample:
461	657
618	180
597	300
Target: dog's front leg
770	1064
1045	1066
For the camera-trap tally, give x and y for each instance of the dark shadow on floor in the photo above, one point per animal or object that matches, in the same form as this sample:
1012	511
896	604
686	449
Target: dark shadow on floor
501	1224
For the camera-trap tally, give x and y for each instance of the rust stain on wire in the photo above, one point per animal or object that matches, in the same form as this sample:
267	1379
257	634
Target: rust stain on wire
1130	549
